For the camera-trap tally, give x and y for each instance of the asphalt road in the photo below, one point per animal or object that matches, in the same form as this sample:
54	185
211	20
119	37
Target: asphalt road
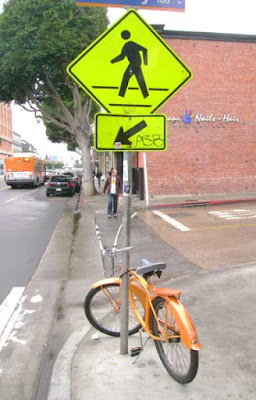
27	221
210	237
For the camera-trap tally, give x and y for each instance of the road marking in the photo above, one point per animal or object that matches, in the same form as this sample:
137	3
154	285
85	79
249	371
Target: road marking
18	197
233	226
234	214
172	221
9	313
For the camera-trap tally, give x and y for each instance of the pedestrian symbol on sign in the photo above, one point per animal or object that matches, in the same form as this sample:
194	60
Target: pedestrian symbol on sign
132	50
129	69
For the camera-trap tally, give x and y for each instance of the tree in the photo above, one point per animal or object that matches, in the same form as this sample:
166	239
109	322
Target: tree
38	39
27	147
54	164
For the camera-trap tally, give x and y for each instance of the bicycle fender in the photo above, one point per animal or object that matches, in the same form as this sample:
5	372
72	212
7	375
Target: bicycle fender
106	281
187	329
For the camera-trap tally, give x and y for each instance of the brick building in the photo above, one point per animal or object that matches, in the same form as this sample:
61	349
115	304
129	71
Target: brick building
211	121
6	141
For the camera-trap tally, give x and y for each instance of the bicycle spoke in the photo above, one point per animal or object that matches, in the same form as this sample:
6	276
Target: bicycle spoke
180	362
103	310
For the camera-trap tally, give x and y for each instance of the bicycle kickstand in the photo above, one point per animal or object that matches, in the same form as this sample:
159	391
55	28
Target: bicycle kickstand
135	351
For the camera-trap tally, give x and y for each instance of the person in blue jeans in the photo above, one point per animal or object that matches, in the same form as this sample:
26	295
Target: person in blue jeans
113	188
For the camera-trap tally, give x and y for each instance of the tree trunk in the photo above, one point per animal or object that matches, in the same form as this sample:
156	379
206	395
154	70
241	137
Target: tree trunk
88	187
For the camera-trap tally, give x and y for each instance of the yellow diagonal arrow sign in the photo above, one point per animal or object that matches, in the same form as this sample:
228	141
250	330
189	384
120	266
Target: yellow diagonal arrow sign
130	132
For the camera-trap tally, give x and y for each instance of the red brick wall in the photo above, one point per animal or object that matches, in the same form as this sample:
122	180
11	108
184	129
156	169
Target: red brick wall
215	156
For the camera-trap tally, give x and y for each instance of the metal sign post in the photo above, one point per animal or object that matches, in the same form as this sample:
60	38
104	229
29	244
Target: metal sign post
127	193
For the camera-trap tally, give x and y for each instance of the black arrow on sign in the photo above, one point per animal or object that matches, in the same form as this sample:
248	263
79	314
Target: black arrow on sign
122	137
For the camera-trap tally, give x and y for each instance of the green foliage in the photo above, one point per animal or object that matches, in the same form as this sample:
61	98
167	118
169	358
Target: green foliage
38	36
56	135
54	164
38	39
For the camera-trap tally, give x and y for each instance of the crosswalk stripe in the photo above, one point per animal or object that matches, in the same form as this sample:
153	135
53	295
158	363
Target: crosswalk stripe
172	221
8	313
234	214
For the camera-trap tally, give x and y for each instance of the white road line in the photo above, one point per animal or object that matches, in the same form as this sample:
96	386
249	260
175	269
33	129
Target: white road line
172	221
7	309
234	214
18	197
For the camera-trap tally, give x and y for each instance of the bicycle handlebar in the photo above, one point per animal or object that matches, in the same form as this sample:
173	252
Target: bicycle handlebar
119	230
123	249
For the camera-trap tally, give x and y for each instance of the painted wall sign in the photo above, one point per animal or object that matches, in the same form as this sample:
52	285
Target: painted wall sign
188	117
166	5
130	69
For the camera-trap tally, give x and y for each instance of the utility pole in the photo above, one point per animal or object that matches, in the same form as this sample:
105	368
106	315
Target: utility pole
127	195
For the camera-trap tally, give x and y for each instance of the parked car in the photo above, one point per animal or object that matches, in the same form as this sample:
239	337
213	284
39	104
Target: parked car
76	178
60	184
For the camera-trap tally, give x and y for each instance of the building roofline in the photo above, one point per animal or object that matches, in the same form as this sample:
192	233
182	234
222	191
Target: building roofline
224	37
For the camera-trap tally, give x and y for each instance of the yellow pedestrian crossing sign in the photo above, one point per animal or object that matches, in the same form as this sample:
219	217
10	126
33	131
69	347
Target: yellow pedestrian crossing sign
130	69
130	132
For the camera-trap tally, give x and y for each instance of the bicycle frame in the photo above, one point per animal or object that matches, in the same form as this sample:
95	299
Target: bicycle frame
141	289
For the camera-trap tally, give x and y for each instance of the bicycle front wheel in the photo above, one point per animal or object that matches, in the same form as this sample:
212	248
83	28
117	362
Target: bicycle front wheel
102	308
180	362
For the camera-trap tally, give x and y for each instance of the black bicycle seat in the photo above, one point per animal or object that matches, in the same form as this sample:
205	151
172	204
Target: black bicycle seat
146	267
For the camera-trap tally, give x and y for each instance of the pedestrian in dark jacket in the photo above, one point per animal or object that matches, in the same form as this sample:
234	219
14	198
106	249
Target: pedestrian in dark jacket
98	176
113	188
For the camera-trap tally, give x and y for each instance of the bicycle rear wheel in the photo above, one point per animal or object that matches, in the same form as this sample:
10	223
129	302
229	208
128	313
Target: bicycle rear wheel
180	362
102	308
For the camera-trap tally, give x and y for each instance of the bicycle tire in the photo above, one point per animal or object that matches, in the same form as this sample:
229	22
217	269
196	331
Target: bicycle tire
179	361
101	313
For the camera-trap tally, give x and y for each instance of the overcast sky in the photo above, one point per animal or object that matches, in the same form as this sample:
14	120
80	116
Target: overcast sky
223	16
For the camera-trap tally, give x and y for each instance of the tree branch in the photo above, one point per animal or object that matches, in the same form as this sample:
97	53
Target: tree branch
77	100
46	116
86	109
31	109
55	95
53	120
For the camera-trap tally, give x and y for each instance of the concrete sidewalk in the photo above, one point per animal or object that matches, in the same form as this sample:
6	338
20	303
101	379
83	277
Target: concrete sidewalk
222	307
52	353
221	304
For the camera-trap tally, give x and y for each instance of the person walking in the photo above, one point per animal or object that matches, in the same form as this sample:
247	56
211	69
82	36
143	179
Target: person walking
132	51
113	188
98	176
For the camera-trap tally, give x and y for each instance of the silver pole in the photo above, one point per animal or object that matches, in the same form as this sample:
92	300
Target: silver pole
127	194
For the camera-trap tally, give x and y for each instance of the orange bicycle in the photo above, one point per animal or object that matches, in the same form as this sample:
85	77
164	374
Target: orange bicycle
157	311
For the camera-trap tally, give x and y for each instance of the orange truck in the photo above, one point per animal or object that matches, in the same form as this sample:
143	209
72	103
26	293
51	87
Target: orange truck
24	169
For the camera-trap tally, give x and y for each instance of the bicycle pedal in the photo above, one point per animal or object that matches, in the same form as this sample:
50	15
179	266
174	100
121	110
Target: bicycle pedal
135	351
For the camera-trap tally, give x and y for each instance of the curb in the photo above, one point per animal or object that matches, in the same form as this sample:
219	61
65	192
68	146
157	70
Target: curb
27	345
85	251
61	381
198	203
